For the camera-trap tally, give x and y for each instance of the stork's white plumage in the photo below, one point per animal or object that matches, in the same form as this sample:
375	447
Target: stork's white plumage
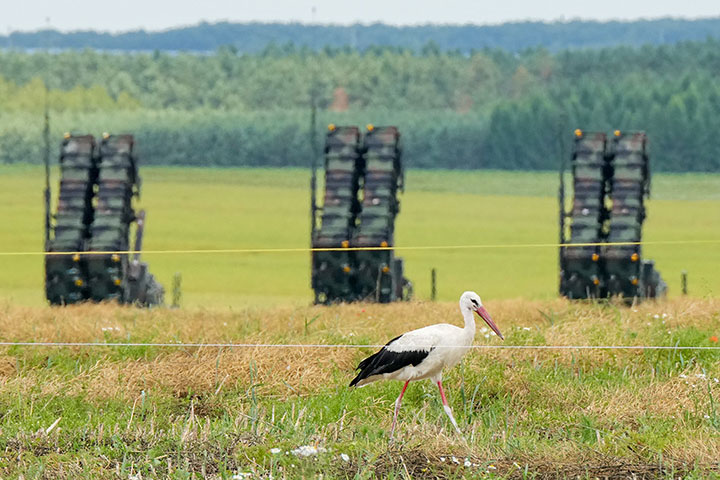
424	353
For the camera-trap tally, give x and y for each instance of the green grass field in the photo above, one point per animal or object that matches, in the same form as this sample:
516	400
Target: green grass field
190	208
151	412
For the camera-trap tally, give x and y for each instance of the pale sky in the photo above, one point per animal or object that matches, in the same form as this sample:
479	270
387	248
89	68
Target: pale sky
123	15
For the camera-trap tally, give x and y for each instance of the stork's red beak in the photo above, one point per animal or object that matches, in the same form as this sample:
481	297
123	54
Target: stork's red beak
488	319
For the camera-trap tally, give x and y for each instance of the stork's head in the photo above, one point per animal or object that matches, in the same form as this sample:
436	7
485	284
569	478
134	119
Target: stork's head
470	301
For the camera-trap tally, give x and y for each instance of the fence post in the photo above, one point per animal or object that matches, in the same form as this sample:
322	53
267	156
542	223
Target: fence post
683	282
177	290
433	284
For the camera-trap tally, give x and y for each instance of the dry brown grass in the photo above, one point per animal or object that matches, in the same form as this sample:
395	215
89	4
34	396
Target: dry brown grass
204	371
301	371
201	375
84	323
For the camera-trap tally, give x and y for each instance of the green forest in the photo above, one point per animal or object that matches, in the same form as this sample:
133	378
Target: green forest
490	108
254	37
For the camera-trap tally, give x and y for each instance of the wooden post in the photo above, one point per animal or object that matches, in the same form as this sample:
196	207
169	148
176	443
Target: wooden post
433	284
683	282
177	290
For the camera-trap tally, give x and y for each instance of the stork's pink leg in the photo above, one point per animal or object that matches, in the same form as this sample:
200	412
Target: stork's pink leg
397	408
446	406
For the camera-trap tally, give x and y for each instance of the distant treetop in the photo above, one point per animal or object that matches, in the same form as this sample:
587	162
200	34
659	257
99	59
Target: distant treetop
256	37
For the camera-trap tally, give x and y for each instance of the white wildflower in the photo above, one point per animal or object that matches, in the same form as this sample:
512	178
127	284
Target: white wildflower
700	375
487	335
656	316
241	475
455	460
442	459
492	467
682	375
275	451
527	328
468	463
345	457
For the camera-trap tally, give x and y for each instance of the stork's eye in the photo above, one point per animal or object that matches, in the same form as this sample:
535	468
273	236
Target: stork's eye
474	302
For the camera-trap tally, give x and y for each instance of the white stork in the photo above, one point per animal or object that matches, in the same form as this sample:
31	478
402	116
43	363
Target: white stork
423	353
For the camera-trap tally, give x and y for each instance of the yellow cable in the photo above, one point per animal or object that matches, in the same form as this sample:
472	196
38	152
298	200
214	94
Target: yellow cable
351	249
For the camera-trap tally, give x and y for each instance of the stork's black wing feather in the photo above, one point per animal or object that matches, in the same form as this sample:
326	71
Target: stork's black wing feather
362	365
385	361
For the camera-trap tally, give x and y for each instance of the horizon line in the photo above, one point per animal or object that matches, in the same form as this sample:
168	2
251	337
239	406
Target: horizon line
557	21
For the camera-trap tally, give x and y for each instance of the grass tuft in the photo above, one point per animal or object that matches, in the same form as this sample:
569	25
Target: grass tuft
212	412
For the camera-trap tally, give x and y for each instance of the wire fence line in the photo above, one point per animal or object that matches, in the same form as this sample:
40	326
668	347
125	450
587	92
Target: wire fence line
323	345
355	249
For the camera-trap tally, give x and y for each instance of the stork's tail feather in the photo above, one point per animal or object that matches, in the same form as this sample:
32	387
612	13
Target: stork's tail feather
375	364
369	360
355	380
365	368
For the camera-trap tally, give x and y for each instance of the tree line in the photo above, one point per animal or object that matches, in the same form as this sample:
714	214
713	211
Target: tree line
255	37
488	109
